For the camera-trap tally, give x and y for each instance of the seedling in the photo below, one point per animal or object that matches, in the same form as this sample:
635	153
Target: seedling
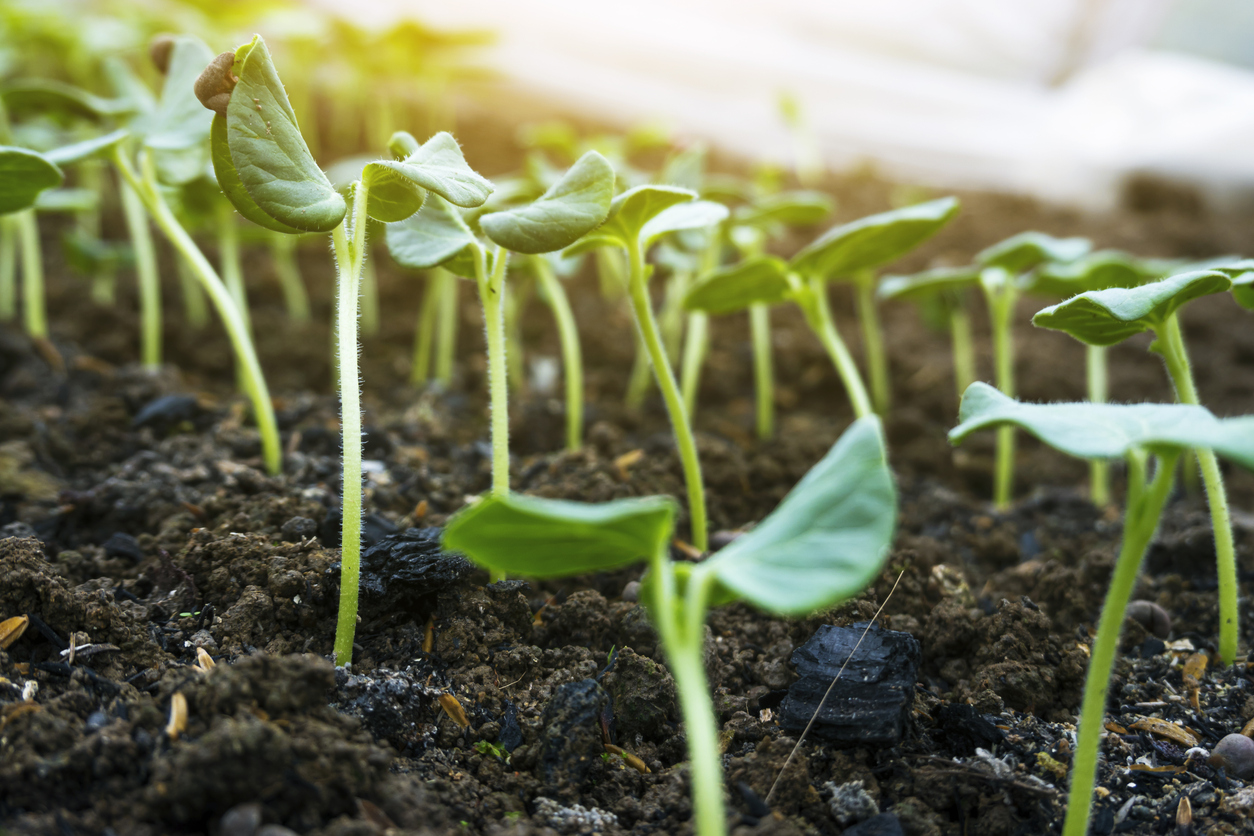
1108	317
23	175
439	236
637	219
1005	264
946	287
823	544
1136	433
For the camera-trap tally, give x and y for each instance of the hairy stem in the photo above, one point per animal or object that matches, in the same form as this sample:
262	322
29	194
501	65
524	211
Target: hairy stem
369	298
763	369
146	273
286	268
1099	470
492	297
1145	504
1171	346
696	346
1001	304
517	295
873	341
36	318
424	335
572	355
813	303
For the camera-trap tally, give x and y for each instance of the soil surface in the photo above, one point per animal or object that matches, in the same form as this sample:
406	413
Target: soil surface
142	537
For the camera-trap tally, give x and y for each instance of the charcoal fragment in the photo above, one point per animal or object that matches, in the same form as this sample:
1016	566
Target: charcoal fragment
571	742
403	572
885	824
870	702
373	528
167	412
123	545
961	729
297	529
510	736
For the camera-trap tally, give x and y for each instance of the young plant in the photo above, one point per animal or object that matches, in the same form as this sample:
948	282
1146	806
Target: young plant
637	219
1108	317
23	175
1004	266
549	270
946	287
824	543
439	236
1136	433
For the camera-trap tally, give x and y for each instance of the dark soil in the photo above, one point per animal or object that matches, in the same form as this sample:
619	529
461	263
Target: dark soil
150	541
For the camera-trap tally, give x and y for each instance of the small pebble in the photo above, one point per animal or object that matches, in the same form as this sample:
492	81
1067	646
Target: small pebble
631	592
1152	617
297	529
97	720
1235	753
241	820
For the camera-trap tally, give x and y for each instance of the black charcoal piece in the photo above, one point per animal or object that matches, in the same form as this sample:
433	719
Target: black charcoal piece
123	545
870	702
165	413
373	529
961	730
570	744
404	571
885	824
510	737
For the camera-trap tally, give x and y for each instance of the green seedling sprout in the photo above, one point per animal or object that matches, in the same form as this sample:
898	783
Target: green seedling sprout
24	174
637	219
549	270
948	288
440	236
1095	271
824	543
1136	433
1108	317
287	271
1004	264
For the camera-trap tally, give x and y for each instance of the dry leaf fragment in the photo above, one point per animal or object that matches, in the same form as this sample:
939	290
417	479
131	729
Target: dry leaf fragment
203	660
1194	670
1184	816
1248	729
624	463
454	710
178	716
428	636
1167	730
11	629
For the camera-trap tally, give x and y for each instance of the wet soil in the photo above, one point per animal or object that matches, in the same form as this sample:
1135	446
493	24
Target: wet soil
144	534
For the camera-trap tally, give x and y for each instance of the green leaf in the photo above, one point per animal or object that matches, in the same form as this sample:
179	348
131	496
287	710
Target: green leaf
23	175
570	209
924	285
268	152
68	154
802	208
402	144
435	236
632	209
1108	317
698	214
1243	290
763	279
1020	253
1095	271
1108	431
686	168
829	537
545	538
229	181
178	130
393	196
58	97
67	200
440	167
871	241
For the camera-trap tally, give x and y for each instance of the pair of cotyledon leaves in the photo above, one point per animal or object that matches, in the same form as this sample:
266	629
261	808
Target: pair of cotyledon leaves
841	252
823	544
1109	431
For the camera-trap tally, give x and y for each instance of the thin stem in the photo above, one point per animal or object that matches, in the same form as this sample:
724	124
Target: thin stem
517	293
8	267
572	355
1099	469
146	273
763	368
1171	346
963	347
194	309
446	346
228	256
424	335
32	274
369	299
696	347
1145	504
254	383
492	296
812	299
638	383
646	325
349	289
1001	297
286	268
873	341
671	320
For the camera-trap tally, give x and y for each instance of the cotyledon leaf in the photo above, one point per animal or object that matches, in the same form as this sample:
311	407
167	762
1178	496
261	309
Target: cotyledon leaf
177	132
629	212
435	236
874	240
572	207
1020	253
269	154
68	154
696	214
801	208
1108	431
1108	317
1095	271
438	165
928	283
393	196
23	175
757	280
527	536
229	181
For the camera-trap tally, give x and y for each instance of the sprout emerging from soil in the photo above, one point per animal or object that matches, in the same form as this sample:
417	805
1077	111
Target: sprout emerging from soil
824	543
1137	433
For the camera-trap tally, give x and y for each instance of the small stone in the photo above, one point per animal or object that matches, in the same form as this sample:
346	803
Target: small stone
1235	754
850	803
1152	617
631	592
124	545
570	744
297	529
573	819
885	824
20	530
1239	804
241	820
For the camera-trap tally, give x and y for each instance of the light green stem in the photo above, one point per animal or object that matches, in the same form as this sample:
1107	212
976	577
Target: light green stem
696	347
228	256
517	295
637	286
146	273
1171	345
1099	469
963	347
873	342
812	298
492	297
254	383
194	309
611	274
450	320
572	355
424	336
638	383
763	368
286	268
91	177
671	320
8	267
369	298
1145	504
32	274
1001	306
349	289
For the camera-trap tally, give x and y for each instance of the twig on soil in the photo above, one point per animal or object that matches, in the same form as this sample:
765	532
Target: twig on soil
826	693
